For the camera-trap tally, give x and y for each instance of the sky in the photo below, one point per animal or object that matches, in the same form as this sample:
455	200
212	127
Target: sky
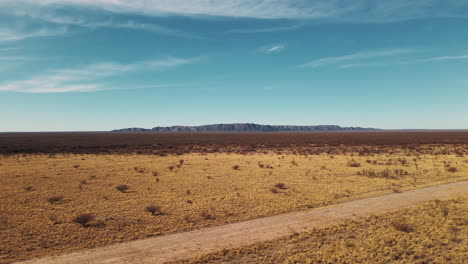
97	65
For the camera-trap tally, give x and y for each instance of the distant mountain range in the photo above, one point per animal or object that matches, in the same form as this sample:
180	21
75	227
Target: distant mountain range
245	127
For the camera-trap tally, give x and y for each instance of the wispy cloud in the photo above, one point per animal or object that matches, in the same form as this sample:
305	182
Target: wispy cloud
362	10
9	35
359	56
87	78
8	49
272	49
87	21
265	30
13	58
444	58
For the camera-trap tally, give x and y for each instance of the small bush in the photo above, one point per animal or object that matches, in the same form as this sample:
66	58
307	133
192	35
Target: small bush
445	211
153	209
401	226
354	164
452	169
155	173
171	168
139	170
83	219
76	166
235	167
386	173
274	190
55	199
122	188
207	216
181	162
29	188
281	186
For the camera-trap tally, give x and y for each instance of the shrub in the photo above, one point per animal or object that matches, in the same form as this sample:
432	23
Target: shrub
401	226
155	173
354	164
29	188
139	170
153	209
386	173
274	190
445	211
55	199
122	187
181	162
400	172
281	186
403	161
235	167
171	168
452	169
76	166
83	219
207	216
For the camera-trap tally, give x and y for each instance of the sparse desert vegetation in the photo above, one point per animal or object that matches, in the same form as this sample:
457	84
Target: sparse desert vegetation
59	202
434	232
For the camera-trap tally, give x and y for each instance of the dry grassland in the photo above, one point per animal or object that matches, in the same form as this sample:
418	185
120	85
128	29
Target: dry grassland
126	197
435	232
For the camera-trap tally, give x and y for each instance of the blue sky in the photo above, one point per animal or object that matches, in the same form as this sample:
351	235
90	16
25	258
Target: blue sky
68	65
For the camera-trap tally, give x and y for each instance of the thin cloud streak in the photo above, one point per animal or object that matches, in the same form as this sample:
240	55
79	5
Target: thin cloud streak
341	10
13	58
272	49
89	22
354	57
7	35
444	58
88	78
265	30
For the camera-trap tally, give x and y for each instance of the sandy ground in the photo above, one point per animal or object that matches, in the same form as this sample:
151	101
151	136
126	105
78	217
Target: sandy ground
186	244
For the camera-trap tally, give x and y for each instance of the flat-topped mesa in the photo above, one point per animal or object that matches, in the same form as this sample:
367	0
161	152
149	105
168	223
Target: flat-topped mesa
246	127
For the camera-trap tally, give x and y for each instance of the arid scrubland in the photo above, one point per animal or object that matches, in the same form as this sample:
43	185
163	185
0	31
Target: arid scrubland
54	203
435	232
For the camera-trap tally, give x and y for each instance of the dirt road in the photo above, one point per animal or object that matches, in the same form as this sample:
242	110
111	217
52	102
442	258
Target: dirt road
183	245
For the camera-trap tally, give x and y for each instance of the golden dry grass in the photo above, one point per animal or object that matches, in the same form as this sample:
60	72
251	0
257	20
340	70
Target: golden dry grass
41	194
435	232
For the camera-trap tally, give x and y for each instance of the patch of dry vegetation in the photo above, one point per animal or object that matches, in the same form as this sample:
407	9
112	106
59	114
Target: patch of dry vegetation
135	196
435	232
